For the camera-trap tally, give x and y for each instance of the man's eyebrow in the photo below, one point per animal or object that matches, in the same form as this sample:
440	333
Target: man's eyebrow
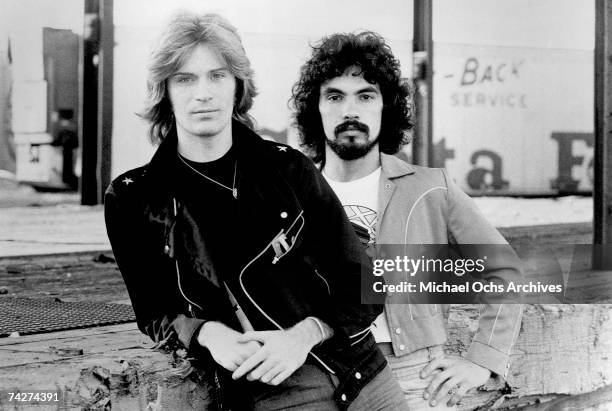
332	90
220	69
184	73
369	89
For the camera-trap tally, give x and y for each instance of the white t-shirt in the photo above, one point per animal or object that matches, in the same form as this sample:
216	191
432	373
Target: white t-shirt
360	201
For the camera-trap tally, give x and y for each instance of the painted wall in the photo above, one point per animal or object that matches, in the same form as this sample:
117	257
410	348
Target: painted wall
514	119
513	94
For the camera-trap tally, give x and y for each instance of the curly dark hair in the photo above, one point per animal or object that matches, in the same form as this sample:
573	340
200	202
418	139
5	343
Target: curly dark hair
331	57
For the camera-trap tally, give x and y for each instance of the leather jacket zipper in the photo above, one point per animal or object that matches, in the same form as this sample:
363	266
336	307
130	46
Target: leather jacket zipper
178	272
269	318
324	281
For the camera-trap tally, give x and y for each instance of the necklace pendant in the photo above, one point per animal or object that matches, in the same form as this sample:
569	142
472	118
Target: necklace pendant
235	192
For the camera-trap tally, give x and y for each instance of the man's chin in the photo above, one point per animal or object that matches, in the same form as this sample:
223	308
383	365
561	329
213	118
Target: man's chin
205	131
349	153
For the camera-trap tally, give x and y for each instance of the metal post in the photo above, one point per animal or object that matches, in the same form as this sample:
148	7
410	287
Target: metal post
96	99
602	188
105	113
89	128
422	50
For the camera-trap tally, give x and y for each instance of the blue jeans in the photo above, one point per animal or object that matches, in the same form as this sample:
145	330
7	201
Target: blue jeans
407	369
310	388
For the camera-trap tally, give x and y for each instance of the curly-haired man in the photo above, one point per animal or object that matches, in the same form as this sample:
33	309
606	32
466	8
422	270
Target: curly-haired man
353	111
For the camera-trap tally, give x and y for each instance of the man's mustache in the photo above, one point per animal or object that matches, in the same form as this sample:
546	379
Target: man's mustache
351	125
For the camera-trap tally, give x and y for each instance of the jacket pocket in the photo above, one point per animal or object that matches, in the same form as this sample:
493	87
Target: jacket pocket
288	239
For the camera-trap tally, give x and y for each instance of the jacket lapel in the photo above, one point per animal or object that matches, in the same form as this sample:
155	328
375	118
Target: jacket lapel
392	168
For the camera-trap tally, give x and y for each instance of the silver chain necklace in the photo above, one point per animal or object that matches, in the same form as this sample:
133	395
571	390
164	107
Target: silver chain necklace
233	188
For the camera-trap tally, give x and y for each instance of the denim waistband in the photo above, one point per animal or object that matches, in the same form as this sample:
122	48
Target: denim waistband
385	348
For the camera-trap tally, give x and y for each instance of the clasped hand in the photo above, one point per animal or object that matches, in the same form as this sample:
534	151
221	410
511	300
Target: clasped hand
267	356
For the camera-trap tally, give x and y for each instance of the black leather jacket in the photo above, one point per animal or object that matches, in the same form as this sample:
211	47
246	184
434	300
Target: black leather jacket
318	272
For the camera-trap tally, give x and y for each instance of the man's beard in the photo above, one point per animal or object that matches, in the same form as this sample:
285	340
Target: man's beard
349	150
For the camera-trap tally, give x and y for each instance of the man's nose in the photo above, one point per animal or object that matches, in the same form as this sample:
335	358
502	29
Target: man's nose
203	90
350	111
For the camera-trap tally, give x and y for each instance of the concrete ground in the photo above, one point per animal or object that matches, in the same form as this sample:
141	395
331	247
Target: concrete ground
51	229
14	194
45	223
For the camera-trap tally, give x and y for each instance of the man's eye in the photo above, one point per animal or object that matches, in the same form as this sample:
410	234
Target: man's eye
219	75
366	97
182	79
334	97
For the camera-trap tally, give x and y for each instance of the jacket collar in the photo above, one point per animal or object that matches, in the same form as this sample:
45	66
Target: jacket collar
394	167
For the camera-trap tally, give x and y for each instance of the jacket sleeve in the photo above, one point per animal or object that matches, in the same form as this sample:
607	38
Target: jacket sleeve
339	257
499	324
152	289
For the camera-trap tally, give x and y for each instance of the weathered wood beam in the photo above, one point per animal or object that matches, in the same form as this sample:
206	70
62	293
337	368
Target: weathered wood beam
602	187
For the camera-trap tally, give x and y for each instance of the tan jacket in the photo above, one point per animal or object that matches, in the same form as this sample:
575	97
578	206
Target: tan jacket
420	205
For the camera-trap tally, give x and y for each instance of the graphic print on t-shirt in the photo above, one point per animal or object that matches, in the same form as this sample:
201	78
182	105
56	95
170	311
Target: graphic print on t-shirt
363	220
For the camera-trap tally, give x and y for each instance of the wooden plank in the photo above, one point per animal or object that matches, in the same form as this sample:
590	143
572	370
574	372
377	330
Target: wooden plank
61	335
65	346
89	276
118	368
600	399
562	351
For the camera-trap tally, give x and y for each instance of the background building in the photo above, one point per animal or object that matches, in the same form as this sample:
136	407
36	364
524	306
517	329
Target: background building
513	80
